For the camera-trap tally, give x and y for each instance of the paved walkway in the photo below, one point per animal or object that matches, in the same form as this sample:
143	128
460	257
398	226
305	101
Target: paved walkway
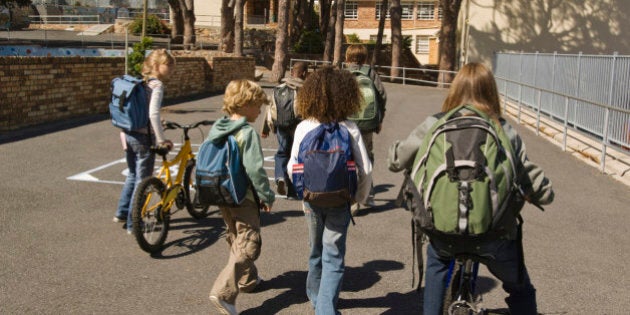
62	254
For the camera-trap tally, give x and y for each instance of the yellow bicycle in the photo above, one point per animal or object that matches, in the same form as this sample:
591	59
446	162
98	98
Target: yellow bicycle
156	195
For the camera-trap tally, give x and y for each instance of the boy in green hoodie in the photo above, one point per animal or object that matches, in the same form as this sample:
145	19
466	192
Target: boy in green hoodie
242	102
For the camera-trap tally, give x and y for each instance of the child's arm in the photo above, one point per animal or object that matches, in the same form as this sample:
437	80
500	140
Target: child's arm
253	162
155	102
362	160
403	153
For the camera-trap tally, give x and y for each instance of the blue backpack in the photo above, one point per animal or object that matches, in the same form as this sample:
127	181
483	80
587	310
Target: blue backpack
220	175
129	107
325	174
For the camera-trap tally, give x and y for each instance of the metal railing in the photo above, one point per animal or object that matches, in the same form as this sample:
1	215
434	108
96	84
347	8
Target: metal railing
407	75
65	19
589	93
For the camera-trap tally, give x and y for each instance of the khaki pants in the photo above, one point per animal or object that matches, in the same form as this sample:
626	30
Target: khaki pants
243	237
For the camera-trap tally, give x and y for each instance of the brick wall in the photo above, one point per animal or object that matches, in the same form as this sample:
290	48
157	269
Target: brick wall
37	90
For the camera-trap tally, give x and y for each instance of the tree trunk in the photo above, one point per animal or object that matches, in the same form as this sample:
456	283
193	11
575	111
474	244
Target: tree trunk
324	18
238	27
396	12
337	58
297	22
188	11
309	15
177	29
227	26
379	35
279	63
330	35
448	42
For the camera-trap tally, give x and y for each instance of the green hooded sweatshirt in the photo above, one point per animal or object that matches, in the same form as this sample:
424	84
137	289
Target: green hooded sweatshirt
251	152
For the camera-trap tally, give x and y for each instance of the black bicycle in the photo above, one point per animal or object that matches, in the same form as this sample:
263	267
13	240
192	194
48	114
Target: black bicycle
461	297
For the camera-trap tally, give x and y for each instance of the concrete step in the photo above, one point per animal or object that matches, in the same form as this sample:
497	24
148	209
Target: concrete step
96	29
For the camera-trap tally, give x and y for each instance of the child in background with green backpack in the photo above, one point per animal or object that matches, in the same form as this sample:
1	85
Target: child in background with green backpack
475	85
370	116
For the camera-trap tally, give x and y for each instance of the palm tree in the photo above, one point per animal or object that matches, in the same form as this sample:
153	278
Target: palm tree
279	63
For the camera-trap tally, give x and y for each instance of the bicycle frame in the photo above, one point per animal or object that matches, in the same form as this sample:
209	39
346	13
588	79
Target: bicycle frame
173	188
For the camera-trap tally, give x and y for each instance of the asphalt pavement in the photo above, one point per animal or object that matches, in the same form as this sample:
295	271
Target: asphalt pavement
62	254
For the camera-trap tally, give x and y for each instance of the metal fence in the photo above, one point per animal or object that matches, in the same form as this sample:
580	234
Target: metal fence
420	76
589	93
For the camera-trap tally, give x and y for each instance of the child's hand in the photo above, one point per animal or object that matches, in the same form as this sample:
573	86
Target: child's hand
167	143
265	207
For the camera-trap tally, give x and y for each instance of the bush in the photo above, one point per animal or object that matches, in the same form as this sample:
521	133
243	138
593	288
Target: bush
136	58
154	26
310	42
353	38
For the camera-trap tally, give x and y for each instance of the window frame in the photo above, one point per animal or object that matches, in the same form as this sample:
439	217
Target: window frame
427	45
354	10
420	15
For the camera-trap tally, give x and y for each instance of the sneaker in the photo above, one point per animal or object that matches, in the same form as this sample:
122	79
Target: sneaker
369	203
120	219
354	209
129	232
222	306
251	289
282	187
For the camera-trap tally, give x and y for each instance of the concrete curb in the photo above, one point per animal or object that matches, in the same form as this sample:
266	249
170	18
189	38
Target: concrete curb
617	164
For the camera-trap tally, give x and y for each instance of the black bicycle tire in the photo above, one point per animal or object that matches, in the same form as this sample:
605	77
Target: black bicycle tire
451	290
138	224
195	212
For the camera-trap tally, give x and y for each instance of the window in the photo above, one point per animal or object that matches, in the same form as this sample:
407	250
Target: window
426	10
422	45
440	14
350	10
407	11
378	11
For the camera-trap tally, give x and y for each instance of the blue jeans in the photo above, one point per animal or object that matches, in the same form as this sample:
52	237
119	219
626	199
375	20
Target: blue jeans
505	266
327	228
140	162
285	142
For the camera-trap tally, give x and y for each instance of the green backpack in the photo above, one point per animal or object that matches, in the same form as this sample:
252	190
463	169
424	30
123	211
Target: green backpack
369	116
463	182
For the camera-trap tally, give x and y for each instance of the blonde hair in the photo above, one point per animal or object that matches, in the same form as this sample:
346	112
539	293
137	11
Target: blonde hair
329	95
474	84
155	58
240	93
356	53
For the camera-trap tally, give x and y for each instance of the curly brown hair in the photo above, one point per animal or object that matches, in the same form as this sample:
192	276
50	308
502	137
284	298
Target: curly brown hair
329	95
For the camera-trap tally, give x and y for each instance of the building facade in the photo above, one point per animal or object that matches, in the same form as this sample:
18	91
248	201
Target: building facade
421	20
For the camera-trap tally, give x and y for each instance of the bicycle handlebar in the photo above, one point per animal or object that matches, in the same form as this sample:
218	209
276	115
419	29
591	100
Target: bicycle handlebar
174	125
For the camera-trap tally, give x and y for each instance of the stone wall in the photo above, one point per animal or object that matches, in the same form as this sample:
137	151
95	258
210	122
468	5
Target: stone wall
37	90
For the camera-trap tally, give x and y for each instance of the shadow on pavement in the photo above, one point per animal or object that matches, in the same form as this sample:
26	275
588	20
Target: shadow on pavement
199	234
275	217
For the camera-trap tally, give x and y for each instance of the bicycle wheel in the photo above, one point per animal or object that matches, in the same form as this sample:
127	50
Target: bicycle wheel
457	296
149	221
196	210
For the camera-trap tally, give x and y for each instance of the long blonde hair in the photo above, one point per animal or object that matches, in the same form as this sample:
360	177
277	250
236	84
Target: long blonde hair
474	84
155	58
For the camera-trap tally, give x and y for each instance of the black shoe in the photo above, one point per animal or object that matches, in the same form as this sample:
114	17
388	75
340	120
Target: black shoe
282	187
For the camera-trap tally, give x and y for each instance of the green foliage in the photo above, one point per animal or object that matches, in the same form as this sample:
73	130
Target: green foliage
406	41
353	38
136	57
154	26
310	42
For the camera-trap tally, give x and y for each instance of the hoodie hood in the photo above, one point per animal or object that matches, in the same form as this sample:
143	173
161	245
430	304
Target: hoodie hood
224	127
293	83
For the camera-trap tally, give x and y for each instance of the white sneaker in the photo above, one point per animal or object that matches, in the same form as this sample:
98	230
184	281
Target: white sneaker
369	203
354	208
223	307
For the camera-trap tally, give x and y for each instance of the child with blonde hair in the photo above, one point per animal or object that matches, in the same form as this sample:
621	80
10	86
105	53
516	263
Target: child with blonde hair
242	102
157	66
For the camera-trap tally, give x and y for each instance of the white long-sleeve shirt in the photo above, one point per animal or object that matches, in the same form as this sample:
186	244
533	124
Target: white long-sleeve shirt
155	91
359	152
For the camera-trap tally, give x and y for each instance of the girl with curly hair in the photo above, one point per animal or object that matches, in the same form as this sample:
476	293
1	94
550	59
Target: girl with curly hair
329	96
